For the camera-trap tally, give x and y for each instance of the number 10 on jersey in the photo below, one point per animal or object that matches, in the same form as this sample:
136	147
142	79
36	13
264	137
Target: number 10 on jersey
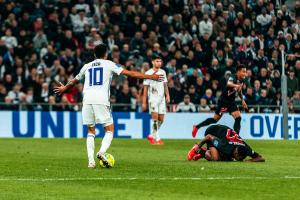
96	76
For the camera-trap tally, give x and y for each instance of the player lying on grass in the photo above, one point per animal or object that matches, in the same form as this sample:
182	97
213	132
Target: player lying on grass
223	144
96	106
227	102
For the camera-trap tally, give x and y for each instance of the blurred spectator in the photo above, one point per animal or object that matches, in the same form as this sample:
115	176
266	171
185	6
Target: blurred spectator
137	43
50	56
209	97
79	21
296	101
263	20
203	107
3	93
39	40
201	42
44	93
205	26
53	106
66	104
292	82
124	97
250	98
8	104
135	99
16	94
186	105
264	100
9	40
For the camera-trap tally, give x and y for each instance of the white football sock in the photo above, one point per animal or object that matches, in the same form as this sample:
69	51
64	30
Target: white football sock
159	123
154	128
90	146
106	141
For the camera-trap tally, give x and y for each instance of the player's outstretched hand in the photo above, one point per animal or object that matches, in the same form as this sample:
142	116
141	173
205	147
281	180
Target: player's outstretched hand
168	99
238	87
244	105
157	77
60	88
259	158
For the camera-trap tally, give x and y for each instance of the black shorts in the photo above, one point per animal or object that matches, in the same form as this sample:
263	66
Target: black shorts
226	106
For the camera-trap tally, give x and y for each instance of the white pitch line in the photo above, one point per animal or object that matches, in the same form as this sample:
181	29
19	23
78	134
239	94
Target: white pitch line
145	179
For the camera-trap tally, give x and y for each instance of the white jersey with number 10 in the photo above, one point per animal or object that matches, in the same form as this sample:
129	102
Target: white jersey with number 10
98	75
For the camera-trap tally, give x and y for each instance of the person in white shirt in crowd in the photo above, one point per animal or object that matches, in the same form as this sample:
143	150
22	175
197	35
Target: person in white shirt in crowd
16	93
158	96
9	40
96	94
205	26
264	19
186	105
203	107
79	21
40	40
239	38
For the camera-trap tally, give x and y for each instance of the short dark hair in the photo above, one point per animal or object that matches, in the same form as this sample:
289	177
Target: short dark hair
100	50
155	56
242	152
240	67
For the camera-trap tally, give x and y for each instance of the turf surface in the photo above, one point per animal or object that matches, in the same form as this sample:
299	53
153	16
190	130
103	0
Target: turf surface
57	169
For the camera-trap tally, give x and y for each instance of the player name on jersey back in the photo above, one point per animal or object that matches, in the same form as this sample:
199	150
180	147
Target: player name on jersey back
97	79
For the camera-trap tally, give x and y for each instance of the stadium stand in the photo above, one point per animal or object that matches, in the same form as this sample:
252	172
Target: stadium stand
200	41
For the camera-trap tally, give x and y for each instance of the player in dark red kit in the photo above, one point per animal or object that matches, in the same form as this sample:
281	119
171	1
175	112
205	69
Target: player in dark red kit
223	144
227	102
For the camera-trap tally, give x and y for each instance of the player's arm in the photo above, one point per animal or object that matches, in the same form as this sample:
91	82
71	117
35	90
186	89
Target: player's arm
255	157
240	93
139	75
231	84
167	94
259	158
145	94
208	138
61	88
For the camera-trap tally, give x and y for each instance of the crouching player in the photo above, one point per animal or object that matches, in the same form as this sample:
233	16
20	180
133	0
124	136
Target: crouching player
223	144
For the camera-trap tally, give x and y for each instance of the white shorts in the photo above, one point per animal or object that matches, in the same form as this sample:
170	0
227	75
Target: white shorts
96	114
157	107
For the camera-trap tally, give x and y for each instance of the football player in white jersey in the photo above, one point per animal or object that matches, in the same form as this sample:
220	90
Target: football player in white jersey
96	105
158	96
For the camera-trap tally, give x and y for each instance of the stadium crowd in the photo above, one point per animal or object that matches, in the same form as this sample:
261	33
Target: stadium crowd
200	41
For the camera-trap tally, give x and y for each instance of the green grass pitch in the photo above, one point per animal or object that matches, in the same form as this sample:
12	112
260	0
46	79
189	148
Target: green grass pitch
57	169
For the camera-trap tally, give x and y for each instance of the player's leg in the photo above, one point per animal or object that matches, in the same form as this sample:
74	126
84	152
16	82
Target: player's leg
153	109
153	135
103	116
108	137
206	122
90	146
106	142
161	117
89	120
214	153
208	156
237	121
160	122
201	153
196	153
